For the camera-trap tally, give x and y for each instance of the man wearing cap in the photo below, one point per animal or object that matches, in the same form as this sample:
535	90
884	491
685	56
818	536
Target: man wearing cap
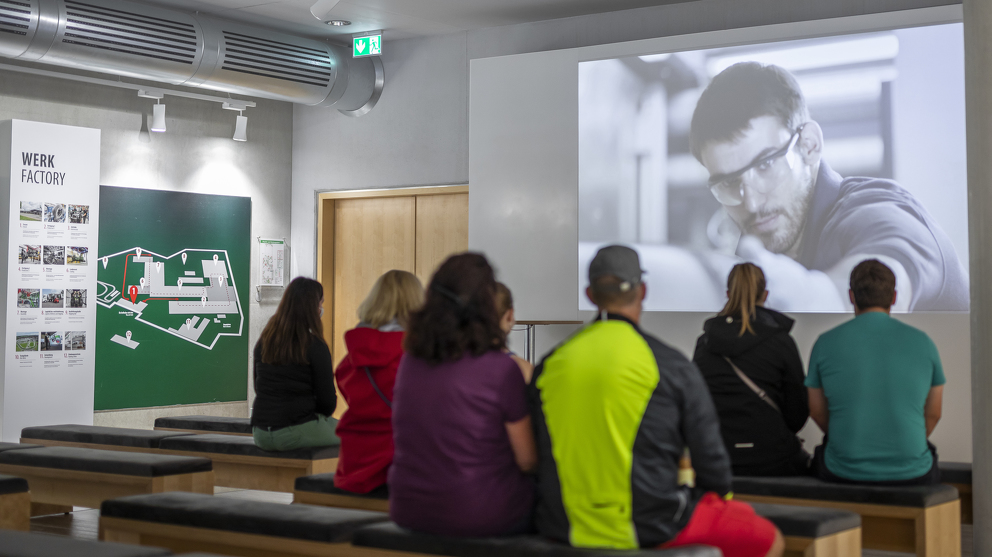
613	408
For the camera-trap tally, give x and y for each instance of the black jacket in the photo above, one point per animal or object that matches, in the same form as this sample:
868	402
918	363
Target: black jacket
756	435
293	394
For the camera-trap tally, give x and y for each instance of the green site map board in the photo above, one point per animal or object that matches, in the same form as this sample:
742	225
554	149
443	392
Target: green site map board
188	342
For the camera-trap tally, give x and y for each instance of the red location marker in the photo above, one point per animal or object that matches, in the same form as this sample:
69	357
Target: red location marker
133	292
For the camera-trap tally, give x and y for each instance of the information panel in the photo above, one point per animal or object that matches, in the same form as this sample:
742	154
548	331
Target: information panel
52	232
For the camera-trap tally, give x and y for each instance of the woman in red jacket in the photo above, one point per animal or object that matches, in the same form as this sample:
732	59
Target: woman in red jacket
366	376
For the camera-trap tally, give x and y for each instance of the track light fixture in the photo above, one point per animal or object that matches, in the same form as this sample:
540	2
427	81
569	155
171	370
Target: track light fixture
241	128
241	122
158	109
158	117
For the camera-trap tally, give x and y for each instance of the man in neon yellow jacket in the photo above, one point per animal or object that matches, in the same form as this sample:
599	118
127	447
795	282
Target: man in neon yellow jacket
613	408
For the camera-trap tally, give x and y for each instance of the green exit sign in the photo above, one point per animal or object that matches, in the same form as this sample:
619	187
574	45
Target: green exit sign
370	45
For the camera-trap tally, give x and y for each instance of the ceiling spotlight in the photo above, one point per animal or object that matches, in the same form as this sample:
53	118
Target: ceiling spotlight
241	128
338	22
158	117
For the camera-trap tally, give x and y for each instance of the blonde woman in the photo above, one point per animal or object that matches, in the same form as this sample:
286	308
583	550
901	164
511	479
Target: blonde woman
754	373
366	376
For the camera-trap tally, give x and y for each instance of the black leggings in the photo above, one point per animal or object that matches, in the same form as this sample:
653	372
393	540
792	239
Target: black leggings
820	471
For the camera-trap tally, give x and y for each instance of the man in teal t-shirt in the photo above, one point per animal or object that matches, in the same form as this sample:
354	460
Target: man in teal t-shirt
875	388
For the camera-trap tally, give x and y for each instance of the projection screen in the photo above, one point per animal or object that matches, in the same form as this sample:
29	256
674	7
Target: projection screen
802	156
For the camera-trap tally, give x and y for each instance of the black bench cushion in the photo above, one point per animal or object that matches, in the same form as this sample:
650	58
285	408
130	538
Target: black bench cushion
812	488
238	445
390	536
955	472
23	544
12	484
123	437
324	483
808	522
206	423
304	522
107	462
16	446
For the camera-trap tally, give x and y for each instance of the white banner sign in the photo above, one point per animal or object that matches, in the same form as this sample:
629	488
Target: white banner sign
51	276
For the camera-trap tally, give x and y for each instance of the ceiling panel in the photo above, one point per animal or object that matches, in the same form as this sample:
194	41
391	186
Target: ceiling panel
400	19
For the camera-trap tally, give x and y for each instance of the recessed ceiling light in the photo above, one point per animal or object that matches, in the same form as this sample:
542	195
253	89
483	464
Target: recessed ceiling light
338	23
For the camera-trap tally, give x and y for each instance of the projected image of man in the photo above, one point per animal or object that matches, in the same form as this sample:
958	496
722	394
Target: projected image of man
803	223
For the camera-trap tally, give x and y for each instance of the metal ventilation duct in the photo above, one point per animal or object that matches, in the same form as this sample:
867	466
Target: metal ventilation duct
157	44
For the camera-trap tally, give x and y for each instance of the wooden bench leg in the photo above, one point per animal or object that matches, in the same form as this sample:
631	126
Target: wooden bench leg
841	544
938	531
43	509
15	511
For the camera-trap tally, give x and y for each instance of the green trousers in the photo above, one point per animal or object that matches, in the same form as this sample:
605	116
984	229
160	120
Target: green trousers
316	433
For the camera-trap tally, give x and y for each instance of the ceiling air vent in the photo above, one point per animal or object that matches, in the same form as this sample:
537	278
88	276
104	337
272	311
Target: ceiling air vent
276	60
15	17
105	28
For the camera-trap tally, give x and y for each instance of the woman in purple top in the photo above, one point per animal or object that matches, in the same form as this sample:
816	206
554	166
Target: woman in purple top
461	428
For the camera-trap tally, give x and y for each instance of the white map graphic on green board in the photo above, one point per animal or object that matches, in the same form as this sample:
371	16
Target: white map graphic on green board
190	294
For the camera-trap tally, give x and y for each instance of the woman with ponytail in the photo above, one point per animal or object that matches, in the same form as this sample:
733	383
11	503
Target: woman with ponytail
754	372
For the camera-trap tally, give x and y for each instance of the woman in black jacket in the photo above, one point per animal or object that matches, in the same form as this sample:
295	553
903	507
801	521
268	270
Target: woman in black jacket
759	421
294	375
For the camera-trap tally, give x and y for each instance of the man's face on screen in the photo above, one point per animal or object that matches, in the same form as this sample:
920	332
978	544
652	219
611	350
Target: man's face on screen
774	203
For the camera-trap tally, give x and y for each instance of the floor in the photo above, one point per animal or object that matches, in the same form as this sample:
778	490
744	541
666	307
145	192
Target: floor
84	523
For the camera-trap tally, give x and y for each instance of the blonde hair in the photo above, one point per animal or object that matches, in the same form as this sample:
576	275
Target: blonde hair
395	295
745	287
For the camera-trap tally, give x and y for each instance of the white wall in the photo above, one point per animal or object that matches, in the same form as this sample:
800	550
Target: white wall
419	132
195	155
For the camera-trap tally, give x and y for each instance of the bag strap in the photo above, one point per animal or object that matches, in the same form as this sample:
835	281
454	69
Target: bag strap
753	386
376	387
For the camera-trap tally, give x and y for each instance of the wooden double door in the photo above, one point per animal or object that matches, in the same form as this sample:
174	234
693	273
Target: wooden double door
361	235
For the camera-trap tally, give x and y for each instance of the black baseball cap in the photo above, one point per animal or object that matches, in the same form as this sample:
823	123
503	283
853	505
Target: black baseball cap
617	261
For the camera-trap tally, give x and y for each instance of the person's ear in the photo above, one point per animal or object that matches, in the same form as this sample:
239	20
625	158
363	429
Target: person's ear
590	296
764	297
895	294
642	292
810	144
850	294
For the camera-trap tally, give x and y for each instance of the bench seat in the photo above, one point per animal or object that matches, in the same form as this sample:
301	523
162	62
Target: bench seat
958	475
70	476
239	463
23	544
205	424
16	446
96	437
319	489
919	519
389	536
814	532
15	503
192	522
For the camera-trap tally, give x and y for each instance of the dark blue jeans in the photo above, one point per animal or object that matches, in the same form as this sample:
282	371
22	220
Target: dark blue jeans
820	471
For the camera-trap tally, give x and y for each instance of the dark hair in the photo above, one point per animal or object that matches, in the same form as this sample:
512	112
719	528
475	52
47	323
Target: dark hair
288	334
873	284
740	94
745	286
606	292
459	313
504	299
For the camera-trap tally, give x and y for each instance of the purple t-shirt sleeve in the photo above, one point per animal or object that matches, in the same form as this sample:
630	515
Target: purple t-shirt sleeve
513	393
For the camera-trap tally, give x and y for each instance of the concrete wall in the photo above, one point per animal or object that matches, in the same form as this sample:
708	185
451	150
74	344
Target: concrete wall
196	155
418	133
